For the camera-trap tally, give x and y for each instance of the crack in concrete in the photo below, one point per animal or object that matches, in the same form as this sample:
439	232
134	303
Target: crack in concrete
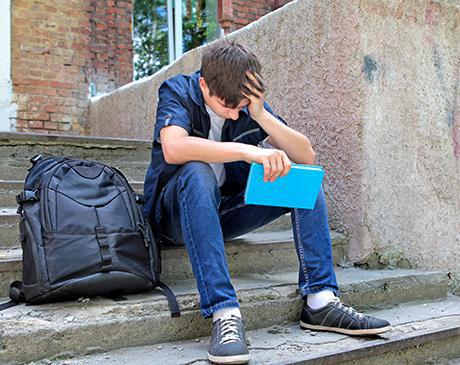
197	361
269	347
424	320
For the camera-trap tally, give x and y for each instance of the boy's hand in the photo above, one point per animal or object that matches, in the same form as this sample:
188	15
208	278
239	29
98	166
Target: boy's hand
256	105
275	162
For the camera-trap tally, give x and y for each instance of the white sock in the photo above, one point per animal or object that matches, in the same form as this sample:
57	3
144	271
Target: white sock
319	300
226	313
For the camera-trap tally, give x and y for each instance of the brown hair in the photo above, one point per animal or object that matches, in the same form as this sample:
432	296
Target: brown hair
224	66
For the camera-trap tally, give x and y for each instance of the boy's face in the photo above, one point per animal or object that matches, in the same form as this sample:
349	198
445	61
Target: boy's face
217	105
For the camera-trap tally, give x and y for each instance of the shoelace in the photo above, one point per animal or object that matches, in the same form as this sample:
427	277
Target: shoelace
230	330
348	309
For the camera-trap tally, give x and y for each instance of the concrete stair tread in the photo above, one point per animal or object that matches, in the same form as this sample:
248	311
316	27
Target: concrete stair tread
413	325
47	139
8	213
131	156
10	254
145	319
348	279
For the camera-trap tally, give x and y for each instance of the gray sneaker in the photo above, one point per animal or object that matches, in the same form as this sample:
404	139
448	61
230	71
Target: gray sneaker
228	342
339	317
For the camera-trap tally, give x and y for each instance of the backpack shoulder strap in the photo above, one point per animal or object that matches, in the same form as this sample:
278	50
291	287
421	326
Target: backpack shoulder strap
16	296
7	305
172	301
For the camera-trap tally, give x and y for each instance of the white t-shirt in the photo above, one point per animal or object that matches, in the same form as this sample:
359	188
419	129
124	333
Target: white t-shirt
215	134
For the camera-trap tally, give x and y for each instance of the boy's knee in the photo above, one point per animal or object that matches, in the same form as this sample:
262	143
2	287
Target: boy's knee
199	174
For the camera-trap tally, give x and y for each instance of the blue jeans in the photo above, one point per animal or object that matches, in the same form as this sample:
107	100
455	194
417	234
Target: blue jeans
194	213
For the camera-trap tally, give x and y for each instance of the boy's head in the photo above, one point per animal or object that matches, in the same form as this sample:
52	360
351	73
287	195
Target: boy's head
224	75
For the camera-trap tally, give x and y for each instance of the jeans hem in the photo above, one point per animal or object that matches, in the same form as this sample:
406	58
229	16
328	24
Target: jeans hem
313	290
207	313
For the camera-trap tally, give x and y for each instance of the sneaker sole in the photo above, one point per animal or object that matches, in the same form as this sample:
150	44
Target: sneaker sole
370	331
236	359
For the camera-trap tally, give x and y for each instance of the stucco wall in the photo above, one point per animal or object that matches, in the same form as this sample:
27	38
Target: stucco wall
374	85
411	116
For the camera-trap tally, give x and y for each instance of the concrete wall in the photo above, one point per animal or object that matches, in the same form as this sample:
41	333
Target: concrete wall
374	84
411	119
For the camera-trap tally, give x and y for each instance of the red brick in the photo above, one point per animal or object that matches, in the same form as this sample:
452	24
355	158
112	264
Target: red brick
61	85
51	125
58	117
51	108
21	123
44	91
34	115
35	124
38	99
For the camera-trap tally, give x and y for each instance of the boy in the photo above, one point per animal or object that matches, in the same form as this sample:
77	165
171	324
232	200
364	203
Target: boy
209	127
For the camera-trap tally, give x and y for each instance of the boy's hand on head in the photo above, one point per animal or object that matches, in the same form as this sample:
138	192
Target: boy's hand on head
253	90
275	162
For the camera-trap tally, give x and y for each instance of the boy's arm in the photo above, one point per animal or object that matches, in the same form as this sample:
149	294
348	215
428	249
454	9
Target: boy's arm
295	144
178	148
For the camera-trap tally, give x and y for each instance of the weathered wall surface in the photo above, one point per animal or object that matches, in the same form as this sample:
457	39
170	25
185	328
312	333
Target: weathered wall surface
411	115
374	85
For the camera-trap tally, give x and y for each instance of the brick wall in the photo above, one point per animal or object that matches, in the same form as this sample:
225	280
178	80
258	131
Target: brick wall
235	14
58	49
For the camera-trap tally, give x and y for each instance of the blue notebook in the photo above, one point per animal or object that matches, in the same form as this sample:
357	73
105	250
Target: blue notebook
298	189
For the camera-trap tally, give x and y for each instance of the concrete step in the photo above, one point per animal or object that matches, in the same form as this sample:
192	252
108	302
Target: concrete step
9	228
257	252
26	145
422	333
75	328
130	156
10	188
17	169
8	191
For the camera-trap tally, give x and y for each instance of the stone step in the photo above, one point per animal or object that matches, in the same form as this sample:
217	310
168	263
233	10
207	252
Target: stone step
422	333
9	227
130	156
98	325
16	169
257	252
25	145
8	191
10	188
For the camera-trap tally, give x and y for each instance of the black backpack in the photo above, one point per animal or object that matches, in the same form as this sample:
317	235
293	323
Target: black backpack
83	234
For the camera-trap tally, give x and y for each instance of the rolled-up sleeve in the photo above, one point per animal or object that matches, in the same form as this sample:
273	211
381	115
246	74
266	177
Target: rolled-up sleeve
171	110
